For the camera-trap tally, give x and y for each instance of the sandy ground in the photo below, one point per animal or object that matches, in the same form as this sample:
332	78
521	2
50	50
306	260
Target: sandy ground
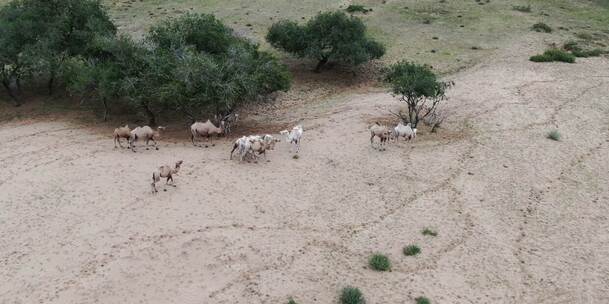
521	218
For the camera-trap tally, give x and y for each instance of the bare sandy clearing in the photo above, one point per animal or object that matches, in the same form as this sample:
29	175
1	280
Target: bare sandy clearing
521	219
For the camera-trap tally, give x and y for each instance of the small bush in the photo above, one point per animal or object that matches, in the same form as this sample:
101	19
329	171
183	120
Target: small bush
411	250
553	135
578	51
541	27
352	295
379	262
588	53
291	301
422	300
541	58
355	8
522	8
429	232
554	55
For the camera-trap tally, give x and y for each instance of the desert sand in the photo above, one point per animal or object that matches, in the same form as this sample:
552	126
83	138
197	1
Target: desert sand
521	218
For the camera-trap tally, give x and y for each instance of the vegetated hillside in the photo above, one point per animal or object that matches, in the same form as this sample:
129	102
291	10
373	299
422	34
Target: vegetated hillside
448	34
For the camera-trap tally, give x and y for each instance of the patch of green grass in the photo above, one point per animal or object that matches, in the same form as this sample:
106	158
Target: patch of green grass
553	135
291	301
541	27
412	250
352	295
356	8
422	300
429	232
379	262
522	8
554	55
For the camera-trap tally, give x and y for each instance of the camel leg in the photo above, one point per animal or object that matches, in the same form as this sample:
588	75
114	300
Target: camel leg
155	144
170	178
235	146
153	184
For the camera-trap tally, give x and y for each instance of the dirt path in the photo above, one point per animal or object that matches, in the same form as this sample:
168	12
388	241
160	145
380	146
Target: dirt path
521	219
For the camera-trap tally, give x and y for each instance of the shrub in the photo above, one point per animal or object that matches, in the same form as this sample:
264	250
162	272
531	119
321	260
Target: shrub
588	53
355	8
429	232
554	55
553	135
422	300
577	51
331	36
379	262
522	8
418	87
541	27
411	250
352	295
291	301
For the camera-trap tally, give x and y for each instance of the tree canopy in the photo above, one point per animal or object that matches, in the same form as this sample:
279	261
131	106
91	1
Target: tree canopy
36	36
178	68
330	36
418	86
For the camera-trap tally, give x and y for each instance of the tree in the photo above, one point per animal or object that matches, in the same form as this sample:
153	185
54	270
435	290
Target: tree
208	77
38	36
111	74
330	36
418	87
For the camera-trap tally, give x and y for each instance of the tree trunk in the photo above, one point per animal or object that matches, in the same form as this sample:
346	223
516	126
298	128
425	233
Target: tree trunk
320	64
149	114
10	92
50	83
105	109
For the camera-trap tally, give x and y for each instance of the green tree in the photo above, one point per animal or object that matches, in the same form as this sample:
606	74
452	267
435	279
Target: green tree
418	87
38	36
207	77
112	74
330	36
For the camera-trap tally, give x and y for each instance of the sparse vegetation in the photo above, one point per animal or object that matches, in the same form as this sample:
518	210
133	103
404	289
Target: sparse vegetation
422	300
291	301
352	295
430	232
356	8
575	49
418	87
379	262
541	27
554	135
331	36
412	250
554	55
522	8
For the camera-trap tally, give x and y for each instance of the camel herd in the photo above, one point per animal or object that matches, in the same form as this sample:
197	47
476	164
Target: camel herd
247	147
